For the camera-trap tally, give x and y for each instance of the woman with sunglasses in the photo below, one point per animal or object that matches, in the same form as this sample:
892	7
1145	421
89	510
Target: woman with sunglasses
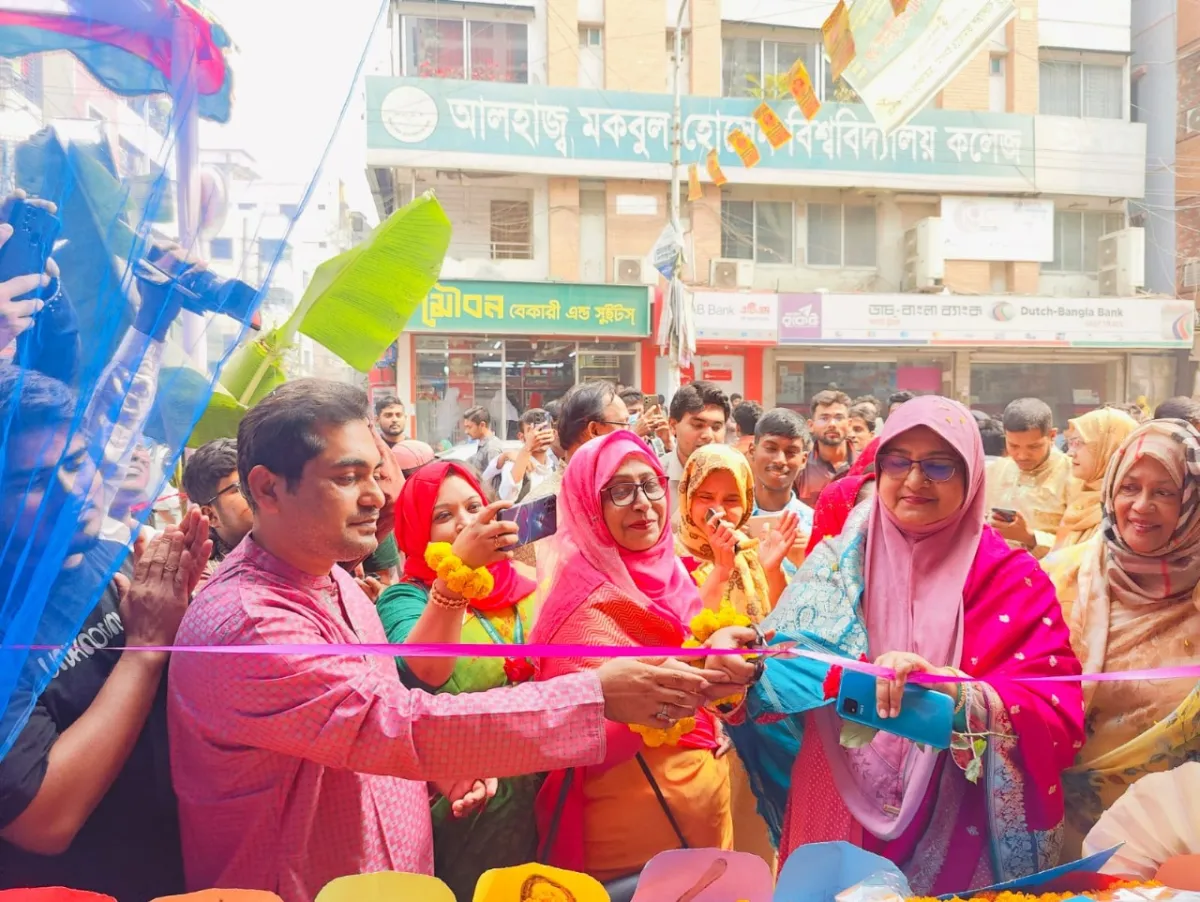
617	581
917	583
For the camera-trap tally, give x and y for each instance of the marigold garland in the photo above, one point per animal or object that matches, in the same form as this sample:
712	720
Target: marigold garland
458	577
1007	896
655	737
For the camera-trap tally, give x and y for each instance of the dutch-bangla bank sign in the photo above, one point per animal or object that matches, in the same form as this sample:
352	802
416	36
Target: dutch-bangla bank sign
919	319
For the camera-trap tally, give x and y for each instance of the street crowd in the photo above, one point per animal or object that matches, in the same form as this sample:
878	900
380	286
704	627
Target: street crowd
918	535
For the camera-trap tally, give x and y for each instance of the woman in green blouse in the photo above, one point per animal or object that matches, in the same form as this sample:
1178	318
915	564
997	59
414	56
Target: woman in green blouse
437	503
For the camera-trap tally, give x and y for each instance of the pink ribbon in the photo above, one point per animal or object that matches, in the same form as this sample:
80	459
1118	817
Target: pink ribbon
463	650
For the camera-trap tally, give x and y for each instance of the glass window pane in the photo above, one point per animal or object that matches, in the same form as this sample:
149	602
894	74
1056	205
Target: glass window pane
737	229
536	373
824	234
435	48
774	232
1072	242
510	230
1058	89
1093	228
499	52
451	380
860	236
1102	92
1113	222
1071	389
778	58
741	61
613	362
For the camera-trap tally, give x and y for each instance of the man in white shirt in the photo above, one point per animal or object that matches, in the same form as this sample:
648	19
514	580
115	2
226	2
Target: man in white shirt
535	462
781	447
699	412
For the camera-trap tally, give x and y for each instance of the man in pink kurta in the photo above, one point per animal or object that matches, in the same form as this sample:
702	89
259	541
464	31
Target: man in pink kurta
294	769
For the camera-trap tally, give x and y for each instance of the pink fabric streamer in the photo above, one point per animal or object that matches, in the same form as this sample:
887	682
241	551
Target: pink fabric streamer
461	650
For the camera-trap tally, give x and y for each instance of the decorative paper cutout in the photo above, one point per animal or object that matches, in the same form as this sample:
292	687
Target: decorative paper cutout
839	39
223	895
385	886
538	883
801	86
898	6
695	192
777	133
744	147
704	875
714	169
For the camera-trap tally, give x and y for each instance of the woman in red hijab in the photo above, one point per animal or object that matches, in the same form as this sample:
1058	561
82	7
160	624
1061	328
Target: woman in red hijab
444	502
841	496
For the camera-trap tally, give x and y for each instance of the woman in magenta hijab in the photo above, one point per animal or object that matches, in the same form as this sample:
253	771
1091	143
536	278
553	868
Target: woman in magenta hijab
918	583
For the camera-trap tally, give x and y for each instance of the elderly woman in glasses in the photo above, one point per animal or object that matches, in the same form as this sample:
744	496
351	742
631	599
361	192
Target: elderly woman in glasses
617	581
917	584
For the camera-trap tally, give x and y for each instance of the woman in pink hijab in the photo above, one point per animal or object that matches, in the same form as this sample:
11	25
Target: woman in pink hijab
918	583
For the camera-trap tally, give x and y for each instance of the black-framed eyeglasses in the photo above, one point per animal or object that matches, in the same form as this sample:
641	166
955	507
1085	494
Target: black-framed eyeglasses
624	425
935	469
622	494
228	490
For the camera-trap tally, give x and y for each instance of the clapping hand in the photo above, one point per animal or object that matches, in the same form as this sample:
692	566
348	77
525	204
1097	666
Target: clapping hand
779	542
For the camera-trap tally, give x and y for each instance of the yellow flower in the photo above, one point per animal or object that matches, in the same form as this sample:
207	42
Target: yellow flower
655	738
438	552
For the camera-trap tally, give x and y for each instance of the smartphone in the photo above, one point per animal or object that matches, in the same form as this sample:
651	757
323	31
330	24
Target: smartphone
926	716
1003	513
535	519
35	229
757	527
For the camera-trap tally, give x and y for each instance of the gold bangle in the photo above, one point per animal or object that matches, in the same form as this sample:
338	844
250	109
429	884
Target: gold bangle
442	600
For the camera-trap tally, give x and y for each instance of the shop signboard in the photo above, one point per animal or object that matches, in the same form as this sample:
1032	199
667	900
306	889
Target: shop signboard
736	317
534	308
579	132
916	319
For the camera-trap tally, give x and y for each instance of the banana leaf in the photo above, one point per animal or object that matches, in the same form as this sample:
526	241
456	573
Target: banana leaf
359	301
254	370
182	392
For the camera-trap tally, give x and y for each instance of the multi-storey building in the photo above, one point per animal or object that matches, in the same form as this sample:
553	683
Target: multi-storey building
984	250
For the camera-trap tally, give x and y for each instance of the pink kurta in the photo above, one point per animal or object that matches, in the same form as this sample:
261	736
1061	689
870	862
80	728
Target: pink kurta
293	770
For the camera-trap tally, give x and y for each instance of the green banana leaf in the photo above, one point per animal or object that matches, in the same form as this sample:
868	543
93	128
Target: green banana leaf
358	302
254	370
184	391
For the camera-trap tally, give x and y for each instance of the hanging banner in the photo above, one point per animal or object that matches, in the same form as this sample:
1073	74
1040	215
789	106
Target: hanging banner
898	6
839	39
714	168
915	52
744	147
695	191
777	133
801	86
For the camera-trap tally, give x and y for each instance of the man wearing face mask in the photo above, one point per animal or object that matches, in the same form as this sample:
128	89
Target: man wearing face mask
830	426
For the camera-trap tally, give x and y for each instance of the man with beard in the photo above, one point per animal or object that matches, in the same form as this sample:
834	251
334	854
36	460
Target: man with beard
85	791
1027	490
780	451
830	425
391	419
698	414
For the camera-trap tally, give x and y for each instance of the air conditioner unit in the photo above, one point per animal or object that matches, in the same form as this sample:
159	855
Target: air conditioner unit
924	263
1191	273
726	273
632	271
1122	262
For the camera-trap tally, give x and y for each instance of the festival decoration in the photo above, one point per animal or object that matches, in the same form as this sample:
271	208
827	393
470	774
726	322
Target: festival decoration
538	883
744	147
223	895
713	162
898	6
839	39
385	886
705	875
695	192
777	133
801	87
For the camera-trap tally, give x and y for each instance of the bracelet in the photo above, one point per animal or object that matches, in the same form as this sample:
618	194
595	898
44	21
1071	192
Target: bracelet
458	577
442	600
960	697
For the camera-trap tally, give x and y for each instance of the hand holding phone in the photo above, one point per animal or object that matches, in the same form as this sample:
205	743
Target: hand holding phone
1004	514
534	519
925	715
488	540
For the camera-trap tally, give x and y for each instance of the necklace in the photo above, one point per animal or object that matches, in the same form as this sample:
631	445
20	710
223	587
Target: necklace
517	670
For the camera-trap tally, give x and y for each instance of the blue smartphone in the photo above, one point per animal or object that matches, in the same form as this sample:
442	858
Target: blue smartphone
926	716
535	519
35	229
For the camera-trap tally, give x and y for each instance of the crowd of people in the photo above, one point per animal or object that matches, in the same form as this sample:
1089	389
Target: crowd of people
918	535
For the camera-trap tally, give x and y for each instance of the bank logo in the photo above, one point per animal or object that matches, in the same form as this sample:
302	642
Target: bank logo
1004	312
409	114
799	316
804	318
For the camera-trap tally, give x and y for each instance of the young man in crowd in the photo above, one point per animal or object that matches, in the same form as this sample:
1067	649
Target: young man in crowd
861	426
330	754
477	424
1180	407
1027	490
830	426
746	415
652	427
210	480
391	419
781	447
896	399
85	791
991	431
698	415
535	462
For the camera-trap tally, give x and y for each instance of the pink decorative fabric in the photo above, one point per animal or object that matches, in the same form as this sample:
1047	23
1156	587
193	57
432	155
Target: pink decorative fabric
294	770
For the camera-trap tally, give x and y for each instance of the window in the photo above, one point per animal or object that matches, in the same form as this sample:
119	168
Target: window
457	48
751	67
1077	240
841	235
763	231
511	228
1082	90
997	85
591	57
270	249
221	248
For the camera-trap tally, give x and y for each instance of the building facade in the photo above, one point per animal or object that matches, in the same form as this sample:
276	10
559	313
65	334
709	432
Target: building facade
985	250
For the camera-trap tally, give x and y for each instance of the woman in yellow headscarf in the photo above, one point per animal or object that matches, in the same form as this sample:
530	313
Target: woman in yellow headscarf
716	499
1092	441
